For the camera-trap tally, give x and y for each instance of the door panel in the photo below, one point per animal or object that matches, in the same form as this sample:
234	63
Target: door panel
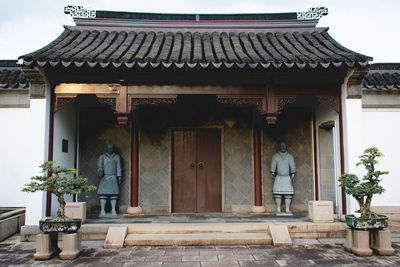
184	182
209	171
197	171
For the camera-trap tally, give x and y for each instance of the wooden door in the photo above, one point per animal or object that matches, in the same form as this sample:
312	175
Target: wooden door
184	171
197	171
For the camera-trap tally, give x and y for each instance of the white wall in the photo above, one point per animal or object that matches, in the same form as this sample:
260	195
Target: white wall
14	156
381	128
38	128
64	128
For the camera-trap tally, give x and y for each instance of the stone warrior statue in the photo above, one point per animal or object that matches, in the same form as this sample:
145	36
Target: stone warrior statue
109	168
283	171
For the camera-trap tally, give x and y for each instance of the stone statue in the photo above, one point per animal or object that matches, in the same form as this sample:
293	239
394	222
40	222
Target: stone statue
283	171
109	168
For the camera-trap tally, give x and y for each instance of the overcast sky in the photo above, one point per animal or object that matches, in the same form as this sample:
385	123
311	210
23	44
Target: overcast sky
370	27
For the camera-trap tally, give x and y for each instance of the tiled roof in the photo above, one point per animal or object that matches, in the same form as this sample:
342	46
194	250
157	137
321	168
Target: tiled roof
382	76
11	76
115	48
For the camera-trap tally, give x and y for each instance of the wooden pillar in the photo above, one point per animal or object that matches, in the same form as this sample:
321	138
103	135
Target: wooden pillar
258	207
134	209
342	170
50	152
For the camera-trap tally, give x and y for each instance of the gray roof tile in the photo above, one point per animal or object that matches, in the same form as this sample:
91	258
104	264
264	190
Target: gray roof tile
11	76
383	77
271	49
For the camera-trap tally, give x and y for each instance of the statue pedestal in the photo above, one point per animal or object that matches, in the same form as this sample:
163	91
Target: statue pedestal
284	214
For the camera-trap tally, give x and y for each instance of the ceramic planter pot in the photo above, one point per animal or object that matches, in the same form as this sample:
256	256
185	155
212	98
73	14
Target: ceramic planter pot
367	223
52	225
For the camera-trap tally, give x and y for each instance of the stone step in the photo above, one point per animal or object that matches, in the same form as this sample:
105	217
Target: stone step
198	239
182	228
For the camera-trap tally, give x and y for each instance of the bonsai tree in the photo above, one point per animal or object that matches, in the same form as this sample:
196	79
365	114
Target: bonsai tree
58	181
364	189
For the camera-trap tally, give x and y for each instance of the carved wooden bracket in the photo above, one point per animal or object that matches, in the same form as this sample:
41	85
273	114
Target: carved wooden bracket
138	100
122	117
271	114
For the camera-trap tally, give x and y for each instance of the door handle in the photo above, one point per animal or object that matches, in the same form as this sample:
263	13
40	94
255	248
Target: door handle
201	165
192	165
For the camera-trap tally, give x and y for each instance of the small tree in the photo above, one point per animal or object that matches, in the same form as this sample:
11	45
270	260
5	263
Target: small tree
363	190
58	181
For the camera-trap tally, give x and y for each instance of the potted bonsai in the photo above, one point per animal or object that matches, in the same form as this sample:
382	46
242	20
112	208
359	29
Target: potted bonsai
363	190
59	181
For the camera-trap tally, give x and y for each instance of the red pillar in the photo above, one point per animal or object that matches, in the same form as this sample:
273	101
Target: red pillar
344	206
134	169
50	153
257	167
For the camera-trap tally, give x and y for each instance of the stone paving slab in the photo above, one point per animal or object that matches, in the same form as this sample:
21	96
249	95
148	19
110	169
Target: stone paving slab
306	253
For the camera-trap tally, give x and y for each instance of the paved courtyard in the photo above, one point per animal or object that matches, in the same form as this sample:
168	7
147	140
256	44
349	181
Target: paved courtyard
307	252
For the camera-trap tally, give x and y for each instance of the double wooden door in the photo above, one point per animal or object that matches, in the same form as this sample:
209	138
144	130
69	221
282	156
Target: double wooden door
197	171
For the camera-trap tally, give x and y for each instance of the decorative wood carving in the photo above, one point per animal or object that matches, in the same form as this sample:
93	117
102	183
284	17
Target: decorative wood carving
284	100
331	101
110	101
62	100
257	101
152	100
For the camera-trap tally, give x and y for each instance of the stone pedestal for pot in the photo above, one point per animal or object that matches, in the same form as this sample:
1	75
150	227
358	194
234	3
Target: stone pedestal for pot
381	243
46	244
72	246
365	234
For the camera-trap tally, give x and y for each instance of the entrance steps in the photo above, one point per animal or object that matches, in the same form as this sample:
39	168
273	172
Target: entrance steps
198	234
174	234
209	233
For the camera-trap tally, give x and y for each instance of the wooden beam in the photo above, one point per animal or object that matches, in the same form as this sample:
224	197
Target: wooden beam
88	88
195	89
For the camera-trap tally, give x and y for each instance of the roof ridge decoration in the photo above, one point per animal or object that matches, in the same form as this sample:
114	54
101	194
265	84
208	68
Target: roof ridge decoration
80	12
313	13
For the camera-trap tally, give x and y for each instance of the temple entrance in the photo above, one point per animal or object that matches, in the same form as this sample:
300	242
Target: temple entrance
196	170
